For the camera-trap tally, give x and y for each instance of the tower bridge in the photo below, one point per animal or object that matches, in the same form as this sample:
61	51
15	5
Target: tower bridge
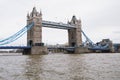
34	35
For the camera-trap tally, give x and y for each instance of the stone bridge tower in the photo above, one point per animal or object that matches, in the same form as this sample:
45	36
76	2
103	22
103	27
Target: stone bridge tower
34	35
74	35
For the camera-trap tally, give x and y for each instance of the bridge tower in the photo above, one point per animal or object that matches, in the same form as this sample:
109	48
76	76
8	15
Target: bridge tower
34	35
74	35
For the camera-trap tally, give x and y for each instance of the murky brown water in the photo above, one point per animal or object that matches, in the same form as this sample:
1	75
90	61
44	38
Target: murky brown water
60	67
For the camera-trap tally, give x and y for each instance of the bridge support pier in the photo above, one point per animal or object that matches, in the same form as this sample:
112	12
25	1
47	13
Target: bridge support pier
39	50
80	50
36	50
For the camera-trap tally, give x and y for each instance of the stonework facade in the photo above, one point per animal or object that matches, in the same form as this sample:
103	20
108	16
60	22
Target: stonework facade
34	35
74	35
39	50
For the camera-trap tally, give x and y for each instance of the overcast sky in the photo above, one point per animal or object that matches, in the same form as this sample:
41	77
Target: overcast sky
100	18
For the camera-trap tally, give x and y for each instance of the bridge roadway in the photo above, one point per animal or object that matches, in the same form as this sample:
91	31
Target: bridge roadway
15	47
29	47
69	49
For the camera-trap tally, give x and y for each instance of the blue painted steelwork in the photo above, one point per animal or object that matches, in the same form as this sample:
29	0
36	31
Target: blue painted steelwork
87	39
16	35
92	46
102	48
15	47
56	25
70	49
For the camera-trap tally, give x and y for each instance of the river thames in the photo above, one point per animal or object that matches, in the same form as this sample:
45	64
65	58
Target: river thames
94	66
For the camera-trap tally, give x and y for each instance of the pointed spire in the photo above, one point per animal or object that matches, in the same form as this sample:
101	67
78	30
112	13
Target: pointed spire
28	15
74	19
79	20
68	22
40	12
34	11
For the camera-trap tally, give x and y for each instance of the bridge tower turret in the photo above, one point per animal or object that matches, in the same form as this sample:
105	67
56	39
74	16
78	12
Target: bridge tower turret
34	35
74	35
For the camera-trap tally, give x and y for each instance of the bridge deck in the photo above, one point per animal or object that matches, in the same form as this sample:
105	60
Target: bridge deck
101	49
15	47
